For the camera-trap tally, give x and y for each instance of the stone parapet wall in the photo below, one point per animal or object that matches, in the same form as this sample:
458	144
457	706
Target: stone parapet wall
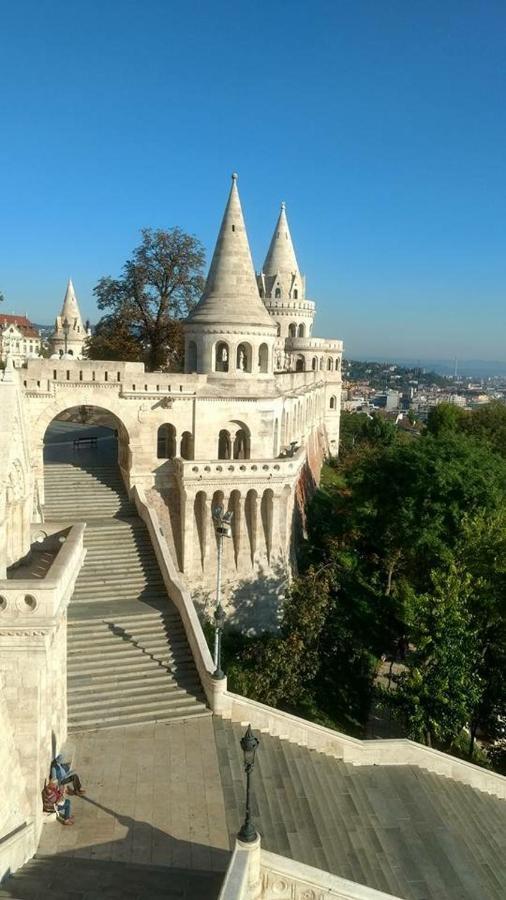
256	874
397	752
282	878
33	672
314	343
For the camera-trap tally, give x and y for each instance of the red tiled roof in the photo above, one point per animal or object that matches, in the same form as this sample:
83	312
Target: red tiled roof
25	326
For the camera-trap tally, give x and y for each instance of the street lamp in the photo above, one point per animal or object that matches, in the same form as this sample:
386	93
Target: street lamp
223	527
249	744
66	329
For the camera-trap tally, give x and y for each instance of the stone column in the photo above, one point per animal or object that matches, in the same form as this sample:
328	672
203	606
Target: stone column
187	503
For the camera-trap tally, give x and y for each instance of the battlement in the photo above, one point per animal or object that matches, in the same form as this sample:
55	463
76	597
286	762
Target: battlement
313	343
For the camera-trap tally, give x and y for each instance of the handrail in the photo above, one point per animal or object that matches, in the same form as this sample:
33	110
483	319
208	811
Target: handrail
180	596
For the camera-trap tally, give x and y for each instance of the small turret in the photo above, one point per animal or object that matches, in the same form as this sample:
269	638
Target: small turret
69	334
283	290
281	275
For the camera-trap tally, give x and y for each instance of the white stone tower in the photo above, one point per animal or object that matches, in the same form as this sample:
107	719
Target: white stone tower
230	333
70	321
283	287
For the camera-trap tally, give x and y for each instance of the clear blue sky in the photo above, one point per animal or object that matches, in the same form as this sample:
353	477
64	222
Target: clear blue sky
382	123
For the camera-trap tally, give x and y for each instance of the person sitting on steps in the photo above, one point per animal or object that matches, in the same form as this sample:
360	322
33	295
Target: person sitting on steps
53	800
63	774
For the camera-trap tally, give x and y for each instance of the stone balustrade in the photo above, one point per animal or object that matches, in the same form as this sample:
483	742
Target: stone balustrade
313	343
232	470
180	596
257	874
35	602
129	380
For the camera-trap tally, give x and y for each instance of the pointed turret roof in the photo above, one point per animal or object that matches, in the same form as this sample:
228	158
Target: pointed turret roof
231	293
70	308
281	257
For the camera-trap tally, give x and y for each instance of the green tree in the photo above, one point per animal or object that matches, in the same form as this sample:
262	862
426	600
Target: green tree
281	669
488	423
160	284
482	551
445	417
440	688
114	338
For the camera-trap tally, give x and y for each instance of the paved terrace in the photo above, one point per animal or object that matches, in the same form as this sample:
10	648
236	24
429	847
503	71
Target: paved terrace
164	803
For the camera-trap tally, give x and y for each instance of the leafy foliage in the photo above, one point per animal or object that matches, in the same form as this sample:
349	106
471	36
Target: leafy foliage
405	556
440	688
159	285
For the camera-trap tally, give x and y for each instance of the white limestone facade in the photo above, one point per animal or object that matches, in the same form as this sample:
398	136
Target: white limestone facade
246	426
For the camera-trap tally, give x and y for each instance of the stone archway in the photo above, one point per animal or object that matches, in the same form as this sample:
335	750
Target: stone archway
67	433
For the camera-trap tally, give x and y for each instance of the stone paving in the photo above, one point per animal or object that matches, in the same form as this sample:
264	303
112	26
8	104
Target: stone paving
153	798
153	795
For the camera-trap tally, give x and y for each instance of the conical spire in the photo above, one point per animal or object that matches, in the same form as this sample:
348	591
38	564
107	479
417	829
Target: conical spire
231	292
70	308
281	257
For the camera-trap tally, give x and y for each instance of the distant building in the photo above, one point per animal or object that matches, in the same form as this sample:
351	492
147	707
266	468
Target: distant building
18	339
388	400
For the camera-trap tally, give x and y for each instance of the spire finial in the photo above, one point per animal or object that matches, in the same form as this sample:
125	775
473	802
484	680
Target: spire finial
283	204
234	176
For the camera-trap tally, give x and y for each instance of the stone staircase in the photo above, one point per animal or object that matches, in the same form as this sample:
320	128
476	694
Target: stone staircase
74	492
128	657
397	829
75	878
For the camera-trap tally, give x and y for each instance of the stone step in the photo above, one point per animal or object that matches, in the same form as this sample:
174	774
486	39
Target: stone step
161	715
103	630
86	613
121	655
131	703
131	683
132	665
108	644
153	620
132	579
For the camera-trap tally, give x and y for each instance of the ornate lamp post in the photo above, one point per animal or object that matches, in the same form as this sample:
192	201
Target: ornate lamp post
66	329
249	744
223	527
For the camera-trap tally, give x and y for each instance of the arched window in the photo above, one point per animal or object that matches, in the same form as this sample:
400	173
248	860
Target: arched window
222	357
263	358
278	329
187	445
277	293
243	358
300	364
166	442
314	363
292	329
241	444
330	364
295	294
192	356
301	331
337	364
224	444
321	362
332	402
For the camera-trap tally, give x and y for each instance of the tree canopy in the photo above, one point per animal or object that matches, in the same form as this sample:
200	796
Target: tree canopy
406	553
159	286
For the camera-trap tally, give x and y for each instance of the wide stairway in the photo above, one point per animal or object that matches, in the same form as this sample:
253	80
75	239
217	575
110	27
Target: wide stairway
397	829
128	658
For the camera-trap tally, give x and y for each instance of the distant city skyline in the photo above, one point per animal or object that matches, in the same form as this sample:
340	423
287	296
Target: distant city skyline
381	125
